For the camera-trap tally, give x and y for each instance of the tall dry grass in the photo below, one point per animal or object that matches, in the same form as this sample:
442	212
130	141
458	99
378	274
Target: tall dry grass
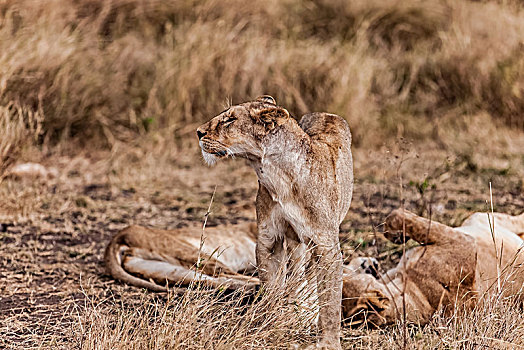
109	70
200	318
208	320
19	127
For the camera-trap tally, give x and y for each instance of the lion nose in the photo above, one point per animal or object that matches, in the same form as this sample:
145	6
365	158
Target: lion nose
201	134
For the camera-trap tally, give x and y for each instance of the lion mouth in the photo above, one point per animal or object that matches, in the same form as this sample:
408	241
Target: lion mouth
220	153
214	148
211	156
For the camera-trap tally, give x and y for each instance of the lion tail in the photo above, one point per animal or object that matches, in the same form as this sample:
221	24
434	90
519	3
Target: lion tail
113	261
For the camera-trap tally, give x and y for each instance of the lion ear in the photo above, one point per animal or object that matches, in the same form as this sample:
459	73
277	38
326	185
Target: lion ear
273	117
267	99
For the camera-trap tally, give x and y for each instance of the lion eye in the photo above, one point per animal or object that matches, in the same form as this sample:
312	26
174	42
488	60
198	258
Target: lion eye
229	121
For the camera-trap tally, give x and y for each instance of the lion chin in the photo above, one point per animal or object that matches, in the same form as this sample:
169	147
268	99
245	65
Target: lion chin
209	158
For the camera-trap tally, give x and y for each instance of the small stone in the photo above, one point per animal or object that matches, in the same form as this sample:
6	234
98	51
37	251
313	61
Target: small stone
32	170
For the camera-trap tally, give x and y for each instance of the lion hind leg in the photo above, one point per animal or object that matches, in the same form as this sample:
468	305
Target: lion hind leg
158	271
512	223
327	260
418	228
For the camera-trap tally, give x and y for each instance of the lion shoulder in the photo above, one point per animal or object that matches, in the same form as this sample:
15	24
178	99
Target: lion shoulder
326	127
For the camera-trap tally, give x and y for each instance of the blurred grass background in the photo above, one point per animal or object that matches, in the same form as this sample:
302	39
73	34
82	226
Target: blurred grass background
109	94
99	72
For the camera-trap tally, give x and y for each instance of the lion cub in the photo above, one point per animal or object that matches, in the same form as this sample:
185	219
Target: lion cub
305	175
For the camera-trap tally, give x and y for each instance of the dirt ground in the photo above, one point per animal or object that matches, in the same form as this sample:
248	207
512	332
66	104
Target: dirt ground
53	231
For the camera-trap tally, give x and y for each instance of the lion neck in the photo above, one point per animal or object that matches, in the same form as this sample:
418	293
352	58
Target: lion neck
281	159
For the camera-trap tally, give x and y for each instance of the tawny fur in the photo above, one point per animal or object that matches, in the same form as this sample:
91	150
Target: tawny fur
145	257
305	174
452	265
160	259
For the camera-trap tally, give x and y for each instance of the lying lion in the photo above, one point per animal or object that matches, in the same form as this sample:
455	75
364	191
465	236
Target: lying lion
452	264
159	259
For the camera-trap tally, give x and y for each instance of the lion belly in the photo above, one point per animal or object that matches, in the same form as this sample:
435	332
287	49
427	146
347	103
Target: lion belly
237	253
508	244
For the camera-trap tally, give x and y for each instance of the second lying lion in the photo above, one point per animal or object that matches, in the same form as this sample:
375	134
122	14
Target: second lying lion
452	264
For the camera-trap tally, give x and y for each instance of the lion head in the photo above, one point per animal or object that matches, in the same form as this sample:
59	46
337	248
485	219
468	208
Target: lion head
239	130
365	300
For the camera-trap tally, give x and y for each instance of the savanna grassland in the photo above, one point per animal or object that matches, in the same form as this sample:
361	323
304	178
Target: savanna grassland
107	95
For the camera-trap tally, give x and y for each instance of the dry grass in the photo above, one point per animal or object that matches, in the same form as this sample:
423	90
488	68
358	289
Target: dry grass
110	69
198	319
496	322
205	320
112	91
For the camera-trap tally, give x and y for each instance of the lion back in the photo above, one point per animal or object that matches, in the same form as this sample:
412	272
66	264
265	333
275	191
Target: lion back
331	132
327	128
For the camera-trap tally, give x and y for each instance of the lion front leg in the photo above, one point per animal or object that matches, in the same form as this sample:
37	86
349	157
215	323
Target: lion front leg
303	293
329	285
270	256
270	252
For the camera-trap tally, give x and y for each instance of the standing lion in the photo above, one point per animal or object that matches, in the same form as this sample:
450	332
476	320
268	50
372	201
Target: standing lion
305	175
